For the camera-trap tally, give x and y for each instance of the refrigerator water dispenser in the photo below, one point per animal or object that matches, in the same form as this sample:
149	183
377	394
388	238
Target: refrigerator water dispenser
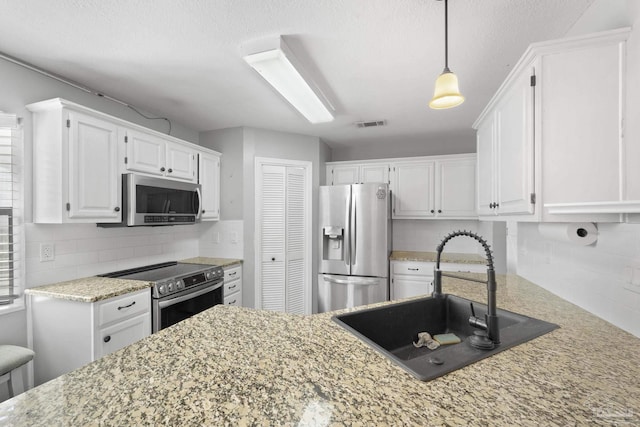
332	243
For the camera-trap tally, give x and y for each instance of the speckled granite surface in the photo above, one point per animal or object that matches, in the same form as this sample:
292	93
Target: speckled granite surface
222	262
431	257
237	366
89	289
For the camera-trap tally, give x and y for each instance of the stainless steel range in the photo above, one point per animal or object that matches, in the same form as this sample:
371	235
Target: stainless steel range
180	290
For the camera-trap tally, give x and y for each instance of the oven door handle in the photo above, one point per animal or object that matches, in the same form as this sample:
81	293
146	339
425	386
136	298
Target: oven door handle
172	301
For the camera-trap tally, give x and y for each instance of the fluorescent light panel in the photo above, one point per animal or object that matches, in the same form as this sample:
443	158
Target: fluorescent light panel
282	70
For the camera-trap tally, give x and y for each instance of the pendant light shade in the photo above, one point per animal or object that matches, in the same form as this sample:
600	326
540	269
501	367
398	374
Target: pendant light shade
446	93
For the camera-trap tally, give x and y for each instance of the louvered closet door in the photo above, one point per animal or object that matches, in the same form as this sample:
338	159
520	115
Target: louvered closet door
273	231
295	240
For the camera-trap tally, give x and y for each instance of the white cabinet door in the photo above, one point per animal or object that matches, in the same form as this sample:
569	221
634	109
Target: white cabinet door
514	149
154	155
209	179
486	165
374	173
94	190
347	174
407	286
282	226
357	173
413	191
506	154
295	240
145	153
455	189
181	162
272	239
122	334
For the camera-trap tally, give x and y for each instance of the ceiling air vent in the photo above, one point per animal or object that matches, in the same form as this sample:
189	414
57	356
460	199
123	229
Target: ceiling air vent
371	124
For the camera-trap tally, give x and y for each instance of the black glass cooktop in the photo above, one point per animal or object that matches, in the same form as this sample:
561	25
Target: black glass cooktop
156	272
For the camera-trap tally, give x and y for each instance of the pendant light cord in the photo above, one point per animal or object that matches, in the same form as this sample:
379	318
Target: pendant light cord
446	38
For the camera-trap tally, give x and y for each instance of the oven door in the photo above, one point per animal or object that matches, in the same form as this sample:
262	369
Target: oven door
176	308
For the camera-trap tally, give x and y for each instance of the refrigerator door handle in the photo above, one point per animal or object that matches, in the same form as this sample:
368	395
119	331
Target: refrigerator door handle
347	234
340	280
354	228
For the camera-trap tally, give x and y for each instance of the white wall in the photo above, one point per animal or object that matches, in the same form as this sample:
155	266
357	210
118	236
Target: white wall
239	148
406	146
223	239
425	235
18	87
603	278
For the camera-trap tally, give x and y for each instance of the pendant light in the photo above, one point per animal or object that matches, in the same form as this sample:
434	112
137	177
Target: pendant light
446	94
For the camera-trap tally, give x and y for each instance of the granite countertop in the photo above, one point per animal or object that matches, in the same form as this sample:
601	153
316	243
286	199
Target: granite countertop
238	366
222	262
432	256
89	289
92	289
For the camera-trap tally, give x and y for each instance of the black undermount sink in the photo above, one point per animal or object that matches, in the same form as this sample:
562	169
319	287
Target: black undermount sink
392	329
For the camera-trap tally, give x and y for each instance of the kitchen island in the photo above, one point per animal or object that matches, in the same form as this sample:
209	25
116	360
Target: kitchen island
238	366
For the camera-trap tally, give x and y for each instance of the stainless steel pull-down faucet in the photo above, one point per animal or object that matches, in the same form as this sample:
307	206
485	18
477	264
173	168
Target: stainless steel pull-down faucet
490	337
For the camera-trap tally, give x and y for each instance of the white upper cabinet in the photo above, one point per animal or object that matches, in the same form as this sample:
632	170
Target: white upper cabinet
362	173
79	155
505	153
435	187
551	140
154	155
209	179
75	166
455	188
414	190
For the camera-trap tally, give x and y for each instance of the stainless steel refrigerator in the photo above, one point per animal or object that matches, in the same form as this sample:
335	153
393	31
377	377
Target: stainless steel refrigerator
355	244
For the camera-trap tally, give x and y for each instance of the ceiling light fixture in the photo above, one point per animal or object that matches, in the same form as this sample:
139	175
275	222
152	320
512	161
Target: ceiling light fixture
446	94
286	74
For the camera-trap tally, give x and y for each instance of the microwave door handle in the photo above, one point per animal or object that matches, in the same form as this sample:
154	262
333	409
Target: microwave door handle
199	194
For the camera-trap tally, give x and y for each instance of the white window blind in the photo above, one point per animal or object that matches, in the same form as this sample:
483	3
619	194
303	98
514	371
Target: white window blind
11	231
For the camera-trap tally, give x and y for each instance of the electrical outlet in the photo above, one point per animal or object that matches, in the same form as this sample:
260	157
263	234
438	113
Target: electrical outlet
233	237
216	237
47	252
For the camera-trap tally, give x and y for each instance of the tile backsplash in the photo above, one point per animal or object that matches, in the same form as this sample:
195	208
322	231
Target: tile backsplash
82	250
603	278
424	235
224	239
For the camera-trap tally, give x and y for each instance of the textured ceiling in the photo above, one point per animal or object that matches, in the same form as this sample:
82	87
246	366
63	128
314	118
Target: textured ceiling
375	59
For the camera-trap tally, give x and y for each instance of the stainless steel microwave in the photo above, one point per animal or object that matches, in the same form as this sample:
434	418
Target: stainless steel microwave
158	201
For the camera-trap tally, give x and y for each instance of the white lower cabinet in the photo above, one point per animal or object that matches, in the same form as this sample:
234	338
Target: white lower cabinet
233	285
66	334
415	278
409	279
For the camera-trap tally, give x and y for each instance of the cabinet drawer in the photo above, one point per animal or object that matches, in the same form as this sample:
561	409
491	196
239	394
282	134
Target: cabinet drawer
233	273
124	306
232	287
413	268
233	299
